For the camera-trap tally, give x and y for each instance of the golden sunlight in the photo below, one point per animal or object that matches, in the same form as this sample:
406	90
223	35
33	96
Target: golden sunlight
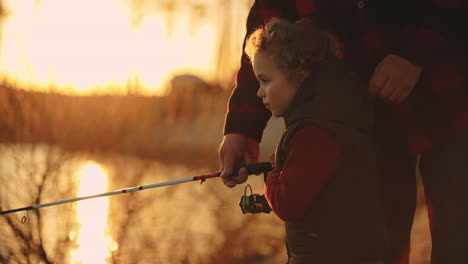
83	46
93	241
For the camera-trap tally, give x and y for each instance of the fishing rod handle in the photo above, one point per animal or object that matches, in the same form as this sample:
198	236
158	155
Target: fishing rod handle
254	168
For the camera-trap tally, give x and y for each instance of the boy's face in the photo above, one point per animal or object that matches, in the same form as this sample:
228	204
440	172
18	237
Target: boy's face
276	90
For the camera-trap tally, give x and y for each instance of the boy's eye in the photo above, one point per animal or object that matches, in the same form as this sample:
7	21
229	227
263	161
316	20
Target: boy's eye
264	80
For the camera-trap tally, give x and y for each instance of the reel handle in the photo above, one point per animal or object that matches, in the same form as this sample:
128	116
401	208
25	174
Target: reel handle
255	168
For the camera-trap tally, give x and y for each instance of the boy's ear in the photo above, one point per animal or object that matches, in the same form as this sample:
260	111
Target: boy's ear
300	76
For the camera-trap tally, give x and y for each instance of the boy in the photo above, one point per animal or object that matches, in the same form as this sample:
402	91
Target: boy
325	185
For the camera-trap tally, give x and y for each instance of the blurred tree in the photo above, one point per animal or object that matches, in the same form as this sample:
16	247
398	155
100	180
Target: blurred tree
30	174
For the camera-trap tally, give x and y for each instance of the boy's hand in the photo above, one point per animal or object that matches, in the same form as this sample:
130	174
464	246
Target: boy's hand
394	79
235	150
274	172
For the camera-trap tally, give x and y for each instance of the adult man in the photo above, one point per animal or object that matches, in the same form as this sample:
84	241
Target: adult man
413	54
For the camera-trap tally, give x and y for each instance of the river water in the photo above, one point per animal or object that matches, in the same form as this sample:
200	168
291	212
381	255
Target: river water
185	223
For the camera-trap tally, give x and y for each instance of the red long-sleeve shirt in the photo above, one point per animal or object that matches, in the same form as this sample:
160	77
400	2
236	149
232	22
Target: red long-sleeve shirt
312	157
430	34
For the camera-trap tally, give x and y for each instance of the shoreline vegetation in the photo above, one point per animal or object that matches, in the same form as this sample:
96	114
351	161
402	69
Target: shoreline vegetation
173	128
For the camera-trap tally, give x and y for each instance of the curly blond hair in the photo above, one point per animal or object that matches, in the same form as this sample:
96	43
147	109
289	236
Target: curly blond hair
295	46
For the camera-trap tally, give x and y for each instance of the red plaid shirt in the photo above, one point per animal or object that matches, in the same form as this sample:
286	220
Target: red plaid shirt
431	34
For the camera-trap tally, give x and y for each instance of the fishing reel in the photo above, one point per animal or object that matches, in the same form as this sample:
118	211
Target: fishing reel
253	203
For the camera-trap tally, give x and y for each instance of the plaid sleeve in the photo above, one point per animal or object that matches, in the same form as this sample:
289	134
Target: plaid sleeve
436	41
246	113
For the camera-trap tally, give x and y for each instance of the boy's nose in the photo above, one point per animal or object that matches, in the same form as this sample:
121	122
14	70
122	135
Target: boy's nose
260	93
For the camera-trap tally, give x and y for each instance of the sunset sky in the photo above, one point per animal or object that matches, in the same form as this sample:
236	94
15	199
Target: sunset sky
108	45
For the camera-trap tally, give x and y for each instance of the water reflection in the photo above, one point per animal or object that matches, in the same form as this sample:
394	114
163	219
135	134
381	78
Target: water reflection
92	238
187	223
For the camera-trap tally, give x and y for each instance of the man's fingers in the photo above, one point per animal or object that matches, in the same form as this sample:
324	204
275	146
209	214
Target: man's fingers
396	92
402	97
242	176
394	78
397	96
391	92
377	80
388	89
226	173
228	166
229	182
406	88
249	158
221	159
235	150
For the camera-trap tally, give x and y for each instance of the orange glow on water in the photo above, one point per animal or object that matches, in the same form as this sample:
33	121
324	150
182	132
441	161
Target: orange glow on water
85	45
93	241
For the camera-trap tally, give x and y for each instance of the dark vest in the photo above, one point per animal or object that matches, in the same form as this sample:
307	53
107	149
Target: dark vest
344	224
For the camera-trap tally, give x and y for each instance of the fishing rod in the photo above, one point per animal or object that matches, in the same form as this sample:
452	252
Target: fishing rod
255	168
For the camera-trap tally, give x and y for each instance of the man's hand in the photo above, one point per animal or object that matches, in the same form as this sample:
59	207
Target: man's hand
236	150
394	78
